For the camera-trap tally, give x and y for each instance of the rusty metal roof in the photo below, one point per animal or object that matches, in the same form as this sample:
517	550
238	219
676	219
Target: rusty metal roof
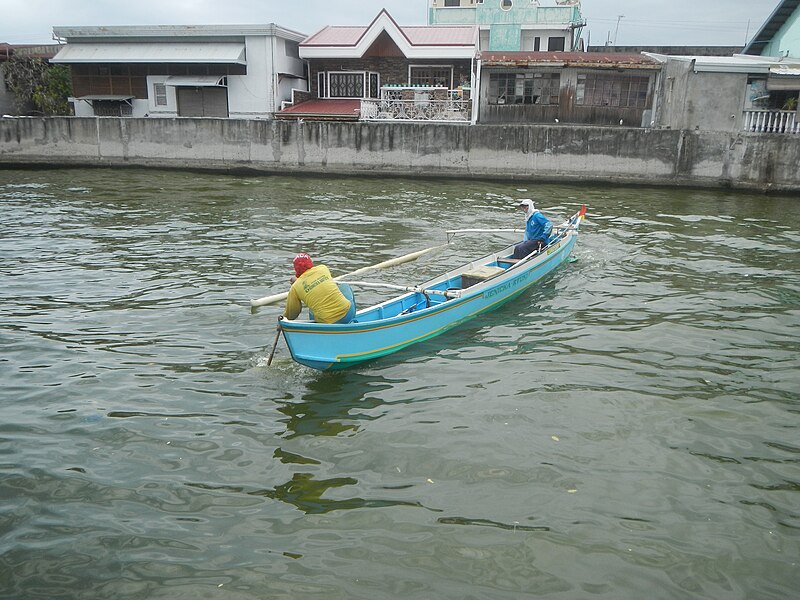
29	50
596	60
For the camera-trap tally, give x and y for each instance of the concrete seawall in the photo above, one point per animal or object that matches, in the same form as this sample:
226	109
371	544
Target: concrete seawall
512	152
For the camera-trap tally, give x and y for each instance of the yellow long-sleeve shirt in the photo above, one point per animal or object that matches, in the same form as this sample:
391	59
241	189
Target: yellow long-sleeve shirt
316	289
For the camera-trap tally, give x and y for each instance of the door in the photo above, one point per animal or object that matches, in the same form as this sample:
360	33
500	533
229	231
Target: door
202	102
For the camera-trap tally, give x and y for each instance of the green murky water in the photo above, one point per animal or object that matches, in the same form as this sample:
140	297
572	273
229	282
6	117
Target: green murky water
630	429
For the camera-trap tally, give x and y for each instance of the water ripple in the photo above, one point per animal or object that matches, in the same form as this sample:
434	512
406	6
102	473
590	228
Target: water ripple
627	429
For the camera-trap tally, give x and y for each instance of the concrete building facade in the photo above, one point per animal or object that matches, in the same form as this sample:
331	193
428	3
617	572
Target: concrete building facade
740	93
242	71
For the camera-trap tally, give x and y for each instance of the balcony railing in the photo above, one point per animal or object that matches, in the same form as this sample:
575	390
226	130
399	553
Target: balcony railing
416	110
771	121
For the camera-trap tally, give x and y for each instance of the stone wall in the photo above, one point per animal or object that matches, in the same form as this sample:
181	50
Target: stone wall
511	152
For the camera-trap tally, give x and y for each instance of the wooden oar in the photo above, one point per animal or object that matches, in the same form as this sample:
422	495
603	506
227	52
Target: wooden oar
407	288
274	345
452	232
266	300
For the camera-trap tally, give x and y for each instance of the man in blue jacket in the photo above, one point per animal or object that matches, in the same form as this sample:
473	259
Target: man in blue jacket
538	230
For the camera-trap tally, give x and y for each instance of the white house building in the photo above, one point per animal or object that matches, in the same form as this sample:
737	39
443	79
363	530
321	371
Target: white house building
237	71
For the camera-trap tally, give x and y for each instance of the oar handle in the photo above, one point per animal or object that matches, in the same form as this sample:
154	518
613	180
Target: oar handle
381	265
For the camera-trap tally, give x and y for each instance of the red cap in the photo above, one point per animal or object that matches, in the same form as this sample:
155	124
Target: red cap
302	263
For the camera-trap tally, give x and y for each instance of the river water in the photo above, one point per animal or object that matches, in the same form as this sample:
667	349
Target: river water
629	429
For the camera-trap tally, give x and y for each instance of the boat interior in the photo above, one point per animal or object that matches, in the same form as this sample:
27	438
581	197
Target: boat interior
440	290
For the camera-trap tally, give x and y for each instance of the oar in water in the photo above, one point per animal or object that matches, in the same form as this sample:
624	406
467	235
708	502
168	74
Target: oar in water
266	300
274	345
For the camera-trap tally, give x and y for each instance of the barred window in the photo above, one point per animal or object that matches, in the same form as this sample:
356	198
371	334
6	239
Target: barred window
346	85
524	88
431	76
602	89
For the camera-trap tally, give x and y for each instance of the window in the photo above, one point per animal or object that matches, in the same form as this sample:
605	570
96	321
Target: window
610	89
322	89
160	94
555	44
537	44
374	85
524	88
346	85
112	108
452	3
506	4
435	76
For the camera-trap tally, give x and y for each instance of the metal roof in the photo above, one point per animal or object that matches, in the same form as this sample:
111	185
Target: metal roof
419	42
153	32
739	63
597	60
196	80
434	35
772	25
146	52
28	50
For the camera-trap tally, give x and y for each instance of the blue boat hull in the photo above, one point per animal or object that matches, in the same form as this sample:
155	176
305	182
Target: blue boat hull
419	315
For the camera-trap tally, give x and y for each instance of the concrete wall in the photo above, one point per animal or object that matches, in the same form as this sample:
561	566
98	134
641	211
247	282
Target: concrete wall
705	101
520	152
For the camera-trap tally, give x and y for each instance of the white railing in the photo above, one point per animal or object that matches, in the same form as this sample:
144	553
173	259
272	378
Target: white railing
771	121
416	110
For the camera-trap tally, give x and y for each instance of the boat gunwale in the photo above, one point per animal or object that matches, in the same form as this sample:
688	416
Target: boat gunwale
550	252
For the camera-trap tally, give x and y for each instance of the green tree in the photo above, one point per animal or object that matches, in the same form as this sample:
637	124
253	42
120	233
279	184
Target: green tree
51	96
34	82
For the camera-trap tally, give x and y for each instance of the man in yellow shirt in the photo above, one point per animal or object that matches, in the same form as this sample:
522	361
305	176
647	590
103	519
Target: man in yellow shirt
314	287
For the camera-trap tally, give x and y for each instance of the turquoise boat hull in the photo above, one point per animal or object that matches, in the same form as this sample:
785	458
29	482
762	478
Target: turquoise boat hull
441	304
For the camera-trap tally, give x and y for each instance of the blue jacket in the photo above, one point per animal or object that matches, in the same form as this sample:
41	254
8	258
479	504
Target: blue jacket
538	227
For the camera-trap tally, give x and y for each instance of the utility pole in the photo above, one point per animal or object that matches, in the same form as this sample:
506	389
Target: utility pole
616	31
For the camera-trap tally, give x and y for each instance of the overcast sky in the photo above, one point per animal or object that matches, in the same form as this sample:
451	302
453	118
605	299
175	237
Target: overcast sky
643	22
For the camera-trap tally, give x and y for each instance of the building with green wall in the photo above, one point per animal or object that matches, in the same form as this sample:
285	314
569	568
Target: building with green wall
780	34
515	25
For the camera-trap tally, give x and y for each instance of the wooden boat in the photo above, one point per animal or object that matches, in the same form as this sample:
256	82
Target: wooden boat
427	310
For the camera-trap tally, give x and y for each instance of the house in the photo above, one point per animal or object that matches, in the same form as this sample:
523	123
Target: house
589	88
780	34
237	71
741	93
515	25
385	71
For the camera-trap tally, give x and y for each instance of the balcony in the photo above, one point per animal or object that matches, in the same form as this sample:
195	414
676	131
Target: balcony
419	103
771	121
